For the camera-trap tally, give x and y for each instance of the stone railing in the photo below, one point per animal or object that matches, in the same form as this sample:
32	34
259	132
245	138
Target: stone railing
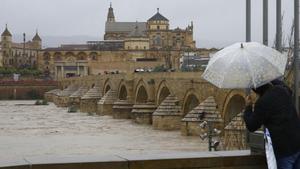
189	160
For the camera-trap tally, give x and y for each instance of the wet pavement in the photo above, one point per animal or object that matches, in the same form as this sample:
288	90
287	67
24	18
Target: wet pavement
29	130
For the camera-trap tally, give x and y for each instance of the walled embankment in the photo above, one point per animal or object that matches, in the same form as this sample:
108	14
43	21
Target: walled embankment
25	89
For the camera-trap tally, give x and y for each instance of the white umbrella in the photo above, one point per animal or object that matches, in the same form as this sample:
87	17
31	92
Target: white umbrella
245	65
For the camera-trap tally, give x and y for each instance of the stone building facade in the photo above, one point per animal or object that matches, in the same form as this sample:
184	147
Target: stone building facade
127	46
69	62
19	55
155	31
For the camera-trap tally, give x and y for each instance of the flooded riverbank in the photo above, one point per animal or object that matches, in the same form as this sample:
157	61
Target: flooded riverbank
28	130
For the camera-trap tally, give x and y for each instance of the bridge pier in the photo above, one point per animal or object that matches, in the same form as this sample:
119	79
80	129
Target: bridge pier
63	96
88	103
168	114
205	111
75	97
122	109
105	104
142	112
168	101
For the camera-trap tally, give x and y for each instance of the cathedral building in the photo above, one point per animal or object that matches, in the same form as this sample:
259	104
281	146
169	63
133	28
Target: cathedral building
155	33
19	55
126	47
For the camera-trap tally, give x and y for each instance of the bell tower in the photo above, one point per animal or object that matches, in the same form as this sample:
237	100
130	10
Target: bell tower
110	15
6	42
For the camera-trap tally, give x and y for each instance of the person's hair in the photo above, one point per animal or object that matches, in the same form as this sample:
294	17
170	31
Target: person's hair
262	89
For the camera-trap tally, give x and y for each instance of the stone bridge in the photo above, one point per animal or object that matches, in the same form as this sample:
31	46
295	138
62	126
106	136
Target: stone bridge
167	100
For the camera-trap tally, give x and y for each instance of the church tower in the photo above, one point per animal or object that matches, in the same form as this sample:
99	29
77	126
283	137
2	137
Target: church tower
6	38
37	41
110	15
6	44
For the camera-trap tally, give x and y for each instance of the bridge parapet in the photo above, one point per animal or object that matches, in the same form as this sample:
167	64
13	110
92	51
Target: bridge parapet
182	160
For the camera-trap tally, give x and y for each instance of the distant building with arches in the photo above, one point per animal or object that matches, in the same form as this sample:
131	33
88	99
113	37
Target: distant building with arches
126	47
19	55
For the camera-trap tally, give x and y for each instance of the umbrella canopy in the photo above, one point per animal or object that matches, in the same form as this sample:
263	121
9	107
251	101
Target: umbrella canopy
245	65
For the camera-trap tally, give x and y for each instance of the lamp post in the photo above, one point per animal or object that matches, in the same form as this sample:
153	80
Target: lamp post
296	53
248	20
210	134
265	22
278	26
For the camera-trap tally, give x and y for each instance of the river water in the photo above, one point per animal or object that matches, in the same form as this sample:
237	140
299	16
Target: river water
28	130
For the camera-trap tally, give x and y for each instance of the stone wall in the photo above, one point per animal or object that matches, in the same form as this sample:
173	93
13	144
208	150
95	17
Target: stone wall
192	160
88	105
24	90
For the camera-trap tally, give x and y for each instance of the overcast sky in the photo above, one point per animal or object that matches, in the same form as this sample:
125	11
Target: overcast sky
216	22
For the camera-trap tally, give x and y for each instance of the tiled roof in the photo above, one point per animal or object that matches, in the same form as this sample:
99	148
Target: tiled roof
6	32
69	47
137	33
36	37
126	27
158	17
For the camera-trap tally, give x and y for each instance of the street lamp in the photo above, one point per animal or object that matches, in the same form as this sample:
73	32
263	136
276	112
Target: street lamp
210	134
296	54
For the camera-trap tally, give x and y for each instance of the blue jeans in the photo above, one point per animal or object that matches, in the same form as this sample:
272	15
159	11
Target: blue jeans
290	162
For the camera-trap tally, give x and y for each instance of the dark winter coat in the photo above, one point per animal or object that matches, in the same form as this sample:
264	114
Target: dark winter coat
276	111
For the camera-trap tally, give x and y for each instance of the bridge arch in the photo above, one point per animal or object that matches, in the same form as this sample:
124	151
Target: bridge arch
190	101
141	95
122	91
234	104
107	86
162	92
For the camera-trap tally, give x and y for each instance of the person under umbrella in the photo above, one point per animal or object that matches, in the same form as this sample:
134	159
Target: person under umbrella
275	110
254	66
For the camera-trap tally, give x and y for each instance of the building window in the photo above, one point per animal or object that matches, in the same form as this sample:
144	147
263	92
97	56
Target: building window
136	47
158	27
145	47
157	40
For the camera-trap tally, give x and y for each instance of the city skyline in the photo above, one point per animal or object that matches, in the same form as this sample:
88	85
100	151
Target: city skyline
213	20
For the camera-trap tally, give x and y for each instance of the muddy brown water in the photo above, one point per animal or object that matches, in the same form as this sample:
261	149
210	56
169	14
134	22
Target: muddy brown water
28	130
